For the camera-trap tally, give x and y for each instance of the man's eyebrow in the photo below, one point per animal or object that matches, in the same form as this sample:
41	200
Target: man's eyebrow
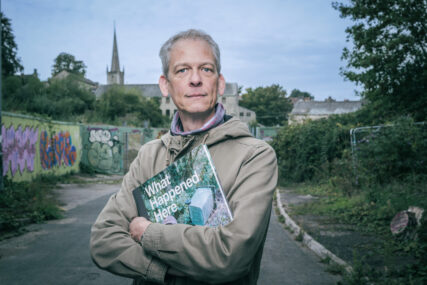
187	63
180	64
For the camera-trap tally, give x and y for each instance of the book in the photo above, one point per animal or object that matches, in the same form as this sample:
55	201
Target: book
186	192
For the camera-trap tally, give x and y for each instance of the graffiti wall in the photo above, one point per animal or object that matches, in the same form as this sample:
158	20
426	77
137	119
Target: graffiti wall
102	149
33	146
111	149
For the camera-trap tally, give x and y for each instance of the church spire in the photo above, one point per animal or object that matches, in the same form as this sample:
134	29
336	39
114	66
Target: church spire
115	76
115	64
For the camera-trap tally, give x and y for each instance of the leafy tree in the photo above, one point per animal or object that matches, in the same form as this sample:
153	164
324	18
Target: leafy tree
296	93
121	105
60	99
66	61
11	63
389	54
68	100
269	103
19	92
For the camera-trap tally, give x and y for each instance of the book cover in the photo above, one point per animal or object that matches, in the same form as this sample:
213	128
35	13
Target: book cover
186	192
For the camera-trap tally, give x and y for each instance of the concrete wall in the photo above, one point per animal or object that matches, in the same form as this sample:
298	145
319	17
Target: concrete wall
111	149
33	146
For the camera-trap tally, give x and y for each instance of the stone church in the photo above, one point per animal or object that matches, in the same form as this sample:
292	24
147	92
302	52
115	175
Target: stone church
115	76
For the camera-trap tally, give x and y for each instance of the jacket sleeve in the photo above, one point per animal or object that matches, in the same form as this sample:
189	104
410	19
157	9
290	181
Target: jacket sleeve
111	245
223	254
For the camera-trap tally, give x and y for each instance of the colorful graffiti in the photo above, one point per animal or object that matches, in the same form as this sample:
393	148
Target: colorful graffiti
104	150
57	150
19	148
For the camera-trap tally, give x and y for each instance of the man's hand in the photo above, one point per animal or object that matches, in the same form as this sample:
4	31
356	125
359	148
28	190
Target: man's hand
137	227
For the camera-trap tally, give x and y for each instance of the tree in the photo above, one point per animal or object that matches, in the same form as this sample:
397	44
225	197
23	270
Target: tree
121	105
389	54
300	94
269	103
66	61
11	63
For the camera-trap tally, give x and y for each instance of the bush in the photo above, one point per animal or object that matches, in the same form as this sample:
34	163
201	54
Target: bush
307	151
27	202
394	151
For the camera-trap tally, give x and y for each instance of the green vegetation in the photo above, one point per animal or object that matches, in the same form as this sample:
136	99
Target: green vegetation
67	62
120	105
70	97
385	175
68	100
386	170
269	103
59	99
22	203
388	55
10	61
296	93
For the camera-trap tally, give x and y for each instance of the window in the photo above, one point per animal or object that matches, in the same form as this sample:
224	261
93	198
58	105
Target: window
248	114
168	113
241	114
223	99
168	100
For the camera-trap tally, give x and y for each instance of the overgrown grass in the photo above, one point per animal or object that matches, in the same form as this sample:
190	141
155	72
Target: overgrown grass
22	203
371	210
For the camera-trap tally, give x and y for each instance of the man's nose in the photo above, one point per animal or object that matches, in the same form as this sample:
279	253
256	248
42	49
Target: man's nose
195	79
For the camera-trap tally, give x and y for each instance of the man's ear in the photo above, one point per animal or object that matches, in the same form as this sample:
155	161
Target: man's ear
221	85
163	84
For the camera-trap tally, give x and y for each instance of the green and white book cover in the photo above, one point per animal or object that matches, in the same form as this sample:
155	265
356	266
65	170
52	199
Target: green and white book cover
186	192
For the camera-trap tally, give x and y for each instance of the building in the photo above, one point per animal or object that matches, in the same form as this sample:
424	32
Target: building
230	98
115	76
314	110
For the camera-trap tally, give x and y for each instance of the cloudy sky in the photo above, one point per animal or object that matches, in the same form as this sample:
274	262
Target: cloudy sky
296	44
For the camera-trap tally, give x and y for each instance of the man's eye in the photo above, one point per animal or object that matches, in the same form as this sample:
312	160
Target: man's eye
207	69
182	70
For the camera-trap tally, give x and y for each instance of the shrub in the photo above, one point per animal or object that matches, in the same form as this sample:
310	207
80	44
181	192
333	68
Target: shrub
394	151
26	202
307	151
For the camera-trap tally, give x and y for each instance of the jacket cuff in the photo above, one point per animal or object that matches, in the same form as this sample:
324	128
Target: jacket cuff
151	239
156	271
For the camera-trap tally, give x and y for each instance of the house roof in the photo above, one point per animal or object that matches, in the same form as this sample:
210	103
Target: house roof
325	107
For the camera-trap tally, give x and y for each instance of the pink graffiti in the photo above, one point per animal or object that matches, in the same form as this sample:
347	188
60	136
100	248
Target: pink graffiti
56	151
19	148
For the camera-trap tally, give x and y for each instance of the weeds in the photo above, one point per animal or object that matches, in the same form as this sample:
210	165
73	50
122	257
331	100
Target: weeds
300	236
28	202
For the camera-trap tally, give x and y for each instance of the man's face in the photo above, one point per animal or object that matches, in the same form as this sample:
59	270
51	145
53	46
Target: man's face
193	81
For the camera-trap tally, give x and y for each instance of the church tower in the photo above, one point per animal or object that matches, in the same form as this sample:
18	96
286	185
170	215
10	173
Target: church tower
115	76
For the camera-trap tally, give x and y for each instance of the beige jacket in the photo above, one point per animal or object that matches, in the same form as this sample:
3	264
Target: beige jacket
231	254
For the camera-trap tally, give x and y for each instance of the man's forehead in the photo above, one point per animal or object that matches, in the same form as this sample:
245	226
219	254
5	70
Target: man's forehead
189	51
188	46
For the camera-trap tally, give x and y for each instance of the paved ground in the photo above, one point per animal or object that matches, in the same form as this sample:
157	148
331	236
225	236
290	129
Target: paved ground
57	252
285	262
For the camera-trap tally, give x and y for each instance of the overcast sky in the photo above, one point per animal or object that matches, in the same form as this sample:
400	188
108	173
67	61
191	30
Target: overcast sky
297	44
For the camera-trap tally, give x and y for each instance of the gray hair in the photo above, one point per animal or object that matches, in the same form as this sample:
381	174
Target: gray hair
193	35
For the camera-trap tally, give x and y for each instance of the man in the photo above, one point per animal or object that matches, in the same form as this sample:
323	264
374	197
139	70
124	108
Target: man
152	253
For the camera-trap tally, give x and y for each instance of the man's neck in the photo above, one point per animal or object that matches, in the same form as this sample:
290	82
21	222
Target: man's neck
191	122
